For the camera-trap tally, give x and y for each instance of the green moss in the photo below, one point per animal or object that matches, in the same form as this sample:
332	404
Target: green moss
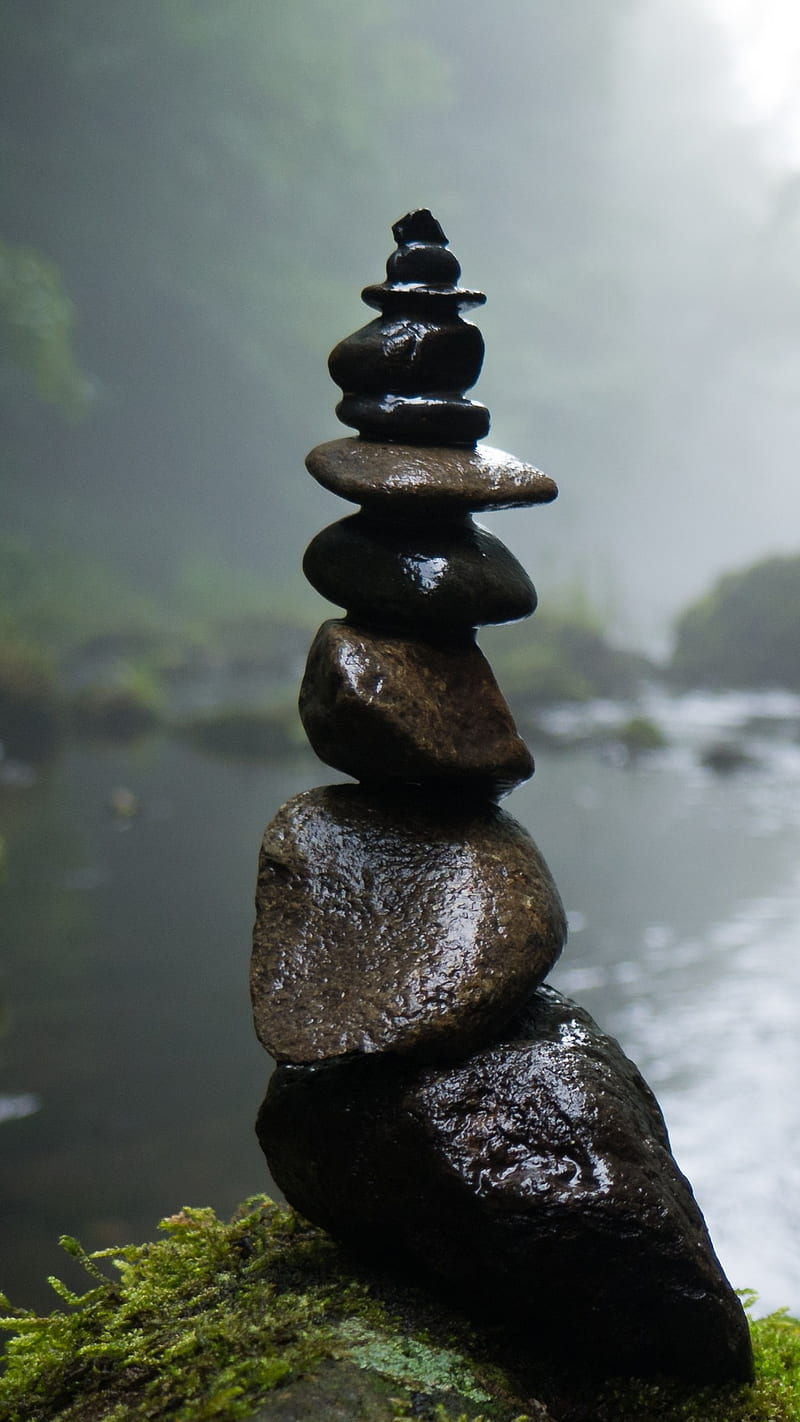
641	733
264	1317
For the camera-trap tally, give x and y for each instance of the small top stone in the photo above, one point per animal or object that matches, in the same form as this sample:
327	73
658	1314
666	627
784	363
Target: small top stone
403	376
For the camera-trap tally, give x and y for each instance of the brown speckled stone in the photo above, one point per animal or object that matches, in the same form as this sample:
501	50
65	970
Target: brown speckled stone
395	708
532	1181
414	477
388	924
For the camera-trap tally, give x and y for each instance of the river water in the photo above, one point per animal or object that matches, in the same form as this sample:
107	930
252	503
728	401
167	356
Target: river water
129	1073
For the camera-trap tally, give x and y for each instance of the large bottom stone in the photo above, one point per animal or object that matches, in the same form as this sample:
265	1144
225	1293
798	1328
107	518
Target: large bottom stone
533	1181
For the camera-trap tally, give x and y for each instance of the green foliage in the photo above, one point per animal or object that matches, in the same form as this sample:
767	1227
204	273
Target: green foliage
208	1322
641	733
560	657
246	732
52	603
745	632
127	706
29	703
36	318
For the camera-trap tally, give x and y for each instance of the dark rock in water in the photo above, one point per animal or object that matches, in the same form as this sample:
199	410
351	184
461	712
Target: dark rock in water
385	924
445	575
406	478
392	708
532	1181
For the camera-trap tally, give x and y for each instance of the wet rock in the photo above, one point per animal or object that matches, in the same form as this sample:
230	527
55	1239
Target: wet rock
392	708
409	357
404	375
532	1181
388	924
450	574
409	478
420	419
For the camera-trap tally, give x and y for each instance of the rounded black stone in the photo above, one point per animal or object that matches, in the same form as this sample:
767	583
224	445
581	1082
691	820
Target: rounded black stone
415	419
408	357
437	575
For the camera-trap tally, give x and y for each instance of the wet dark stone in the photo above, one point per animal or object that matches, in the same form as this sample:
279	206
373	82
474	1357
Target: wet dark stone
531	1182
388	708
406	478
403	376
415	419
408	357
450	574
388	924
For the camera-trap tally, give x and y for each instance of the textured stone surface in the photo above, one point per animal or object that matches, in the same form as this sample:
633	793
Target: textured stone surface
392	708
387	924
439	575
533	1180
409	477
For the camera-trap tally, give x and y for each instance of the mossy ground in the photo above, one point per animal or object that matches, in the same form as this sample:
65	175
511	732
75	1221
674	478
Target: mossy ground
233	1321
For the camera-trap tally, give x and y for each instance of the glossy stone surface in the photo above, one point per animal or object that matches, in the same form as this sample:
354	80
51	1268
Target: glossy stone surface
408	356
386	923
408	478
388	708
403	376
415	419
532	1181
445	574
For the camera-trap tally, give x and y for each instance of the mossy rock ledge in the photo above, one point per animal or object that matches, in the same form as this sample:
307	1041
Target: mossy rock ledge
265	1319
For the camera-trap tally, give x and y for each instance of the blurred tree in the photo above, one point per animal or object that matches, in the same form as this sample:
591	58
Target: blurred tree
36	332
745	631
178	159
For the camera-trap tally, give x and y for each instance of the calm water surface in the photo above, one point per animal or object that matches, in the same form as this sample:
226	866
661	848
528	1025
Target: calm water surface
129	1072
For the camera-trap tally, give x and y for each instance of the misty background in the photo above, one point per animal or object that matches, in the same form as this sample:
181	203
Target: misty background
208	187
193	195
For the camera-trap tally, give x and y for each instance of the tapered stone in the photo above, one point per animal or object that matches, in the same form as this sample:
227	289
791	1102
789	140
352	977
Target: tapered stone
532	1181
394	708
386	923
407	478
449	574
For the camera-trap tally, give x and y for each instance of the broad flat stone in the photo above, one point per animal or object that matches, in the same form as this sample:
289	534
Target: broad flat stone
392	708
533	1182
443	575
422	478
386	924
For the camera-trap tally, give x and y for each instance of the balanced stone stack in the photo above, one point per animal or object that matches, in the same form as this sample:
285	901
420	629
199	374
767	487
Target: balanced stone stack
435	1106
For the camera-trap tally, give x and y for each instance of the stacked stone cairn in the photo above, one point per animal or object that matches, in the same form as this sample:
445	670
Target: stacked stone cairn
435	1107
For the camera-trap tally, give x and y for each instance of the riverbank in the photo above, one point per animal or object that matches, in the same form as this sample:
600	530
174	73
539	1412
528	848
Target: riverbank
266	1318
